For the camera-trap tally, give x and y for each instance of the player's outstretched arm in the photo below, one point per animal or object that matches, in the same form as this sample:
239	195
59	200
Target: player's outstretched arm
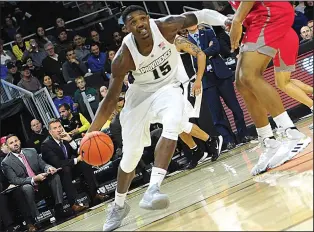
121	65
185	45
170	25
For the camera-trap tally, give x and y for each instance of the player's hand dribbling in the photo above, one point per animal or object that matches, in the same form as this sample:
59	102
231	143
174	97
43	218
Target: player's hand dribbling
235	35
197	87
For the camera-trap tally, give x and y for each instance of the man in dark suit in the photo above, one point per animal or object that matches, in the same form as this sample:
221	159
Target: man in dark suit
25	168
38	135
60	151
218	82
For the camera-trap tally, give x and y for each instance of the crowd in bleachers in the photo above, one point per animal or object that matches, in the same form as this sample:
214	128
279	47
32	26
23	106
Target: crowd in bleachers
54	61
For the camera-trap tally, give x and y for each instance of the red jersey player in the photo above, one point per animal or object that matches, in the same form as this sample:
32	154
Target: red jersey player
269	34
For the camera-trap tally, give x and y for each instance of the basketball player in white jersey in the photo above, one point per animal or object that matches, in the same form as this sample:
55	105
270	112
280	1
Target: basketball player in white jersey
192	109
155	96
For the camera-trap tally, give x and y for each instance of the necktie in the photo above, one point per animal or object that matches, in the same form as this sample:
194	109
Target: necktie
197	39
64	149
27	166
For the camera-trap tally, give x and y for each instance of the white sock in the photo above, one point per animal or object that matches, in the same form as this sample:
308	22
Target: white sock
283	121
265	132
120	198
157	176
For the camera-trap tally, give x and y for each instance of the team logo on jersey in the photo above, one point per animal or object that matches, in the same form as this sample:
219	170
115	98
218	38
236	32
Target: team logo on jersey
162	45
160	60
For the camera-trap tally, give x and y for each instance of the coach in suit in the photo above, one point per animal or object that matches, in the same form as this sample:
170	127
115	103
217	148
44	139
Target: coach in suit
60	151
25	168
218	82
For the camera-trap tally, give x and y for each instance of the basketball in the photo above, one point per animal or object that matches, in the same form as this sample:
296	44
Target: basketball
96	148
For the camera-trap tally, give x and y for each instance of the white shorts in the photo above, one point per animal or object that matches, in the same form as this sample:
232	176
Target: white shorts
143	108
192	106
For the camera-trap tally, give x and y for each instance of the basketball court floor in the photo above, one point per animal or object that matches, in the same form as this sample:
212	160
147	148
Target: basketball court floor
224	196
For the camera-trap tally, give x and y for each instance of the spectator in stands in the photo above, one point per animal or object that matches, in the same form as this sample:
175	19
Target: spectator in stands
117	39
42	38
97	59
103	91
63	41
37	54
61	24
73	67
39	134
95	39
4	149
24	167
308	11
35	71
73	123
306	34
91	94
47	82
60	151
82	51
22	19
20	46
218	82
310	25
90	7
52	64
28	81
14	76
299	21
10	28
6	55
61	99
111	54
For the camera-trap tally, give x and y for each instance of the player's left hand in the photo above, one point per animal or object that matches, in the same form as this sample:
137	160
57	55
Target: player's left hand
235	35
197	87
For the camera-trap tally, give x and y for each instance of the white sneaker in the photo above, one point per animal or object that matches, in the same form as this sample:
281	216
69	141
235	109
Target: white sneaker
271	148
295	141
115	216
154	200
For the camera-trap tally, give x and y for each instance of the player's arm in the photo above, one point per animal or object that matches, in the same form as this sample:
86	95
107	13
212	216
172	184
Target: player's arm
185	45
236	27
188	19
243	10
121	64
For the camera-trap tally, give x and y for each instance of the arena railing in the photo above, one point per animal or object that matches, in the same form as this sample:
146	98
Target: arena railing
39	104
107	8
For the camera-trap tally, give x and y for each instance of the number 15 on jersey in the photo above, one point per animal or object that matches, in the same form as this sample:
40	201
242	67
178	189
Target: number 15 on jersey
162	70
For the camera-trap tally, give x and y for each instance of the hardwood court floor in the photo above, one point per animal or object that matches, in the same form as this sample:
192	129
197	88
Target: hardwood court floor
224	196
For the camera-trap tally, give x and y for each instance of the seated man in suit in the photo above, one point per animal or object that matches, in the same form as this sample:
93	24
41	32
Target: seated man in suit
60	151
218	83
38	136
24	167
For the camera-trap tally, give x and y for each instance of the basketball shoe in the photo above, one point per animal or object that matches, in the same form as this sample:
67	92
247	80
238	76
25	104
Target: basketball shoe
197	156
294	140
214	146
115	216
270	148
153	199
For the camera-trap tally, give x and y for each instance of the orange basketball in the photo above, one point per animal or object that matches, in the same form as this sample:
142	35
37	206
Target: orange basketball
96	148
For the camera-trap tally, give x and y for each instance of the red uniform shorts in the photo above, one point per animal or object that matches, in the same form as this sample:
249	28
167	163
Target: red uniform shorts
269	31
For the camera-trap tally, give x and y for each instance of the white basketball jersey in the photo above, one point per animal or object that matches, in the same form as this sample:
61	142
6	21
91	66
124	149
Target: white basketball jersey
160	67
